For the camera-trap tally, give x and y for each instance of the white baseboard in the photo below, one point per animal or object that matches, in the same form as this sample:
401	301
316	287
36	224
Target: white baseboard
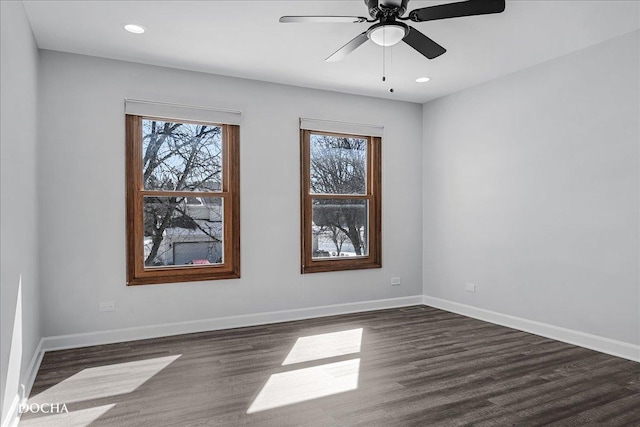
582	339
33	368
13	414
155	331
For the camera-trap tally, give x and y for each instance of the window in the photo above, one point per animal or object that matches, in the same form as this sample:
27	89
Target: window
183	201
341	201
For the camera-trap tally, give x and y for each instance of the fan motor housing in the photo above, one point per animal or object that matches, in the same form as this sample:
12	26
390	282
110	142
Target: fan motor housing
384	8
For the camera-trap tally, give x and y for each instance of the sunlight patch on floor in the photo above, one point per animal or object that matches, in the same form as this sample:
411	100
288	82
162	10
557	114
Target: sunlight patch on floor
80	418
323	346
103	381
305	384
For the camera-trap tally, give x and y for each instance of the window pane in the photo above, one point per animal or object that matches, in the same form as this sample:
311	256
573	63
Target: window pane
183	231
338	165
339	228
181	156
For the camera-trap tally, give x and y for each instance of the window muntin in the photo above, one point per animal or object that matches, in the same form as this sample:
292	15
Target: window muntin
341	207
182	201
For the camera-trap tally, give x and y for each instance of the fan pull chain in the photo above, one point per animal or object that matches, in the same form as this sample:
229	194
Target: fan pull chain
384	65
391	52
384	62
384	59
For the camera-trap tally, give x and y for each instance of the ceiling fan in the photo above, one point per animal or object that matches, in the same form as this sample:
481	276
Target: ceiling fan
387	31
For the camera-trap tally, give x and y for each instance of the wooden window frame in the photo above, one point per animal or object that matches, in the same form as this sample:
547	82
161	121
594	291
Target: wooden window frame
373	196
137	273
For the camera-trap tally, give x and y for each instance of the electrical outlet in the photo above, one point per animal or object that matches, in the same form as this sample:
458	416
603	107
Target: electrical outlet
108	306
395	281
470	287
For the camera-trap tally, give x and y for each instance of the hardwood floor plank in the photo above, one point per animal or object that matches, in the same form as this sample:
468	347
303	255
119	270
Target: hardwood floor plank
559	409
625	411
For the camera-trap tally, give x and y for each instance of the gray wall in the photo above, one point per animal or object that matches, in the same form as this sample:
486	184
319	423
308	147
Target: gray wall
531	191
82	193
18	201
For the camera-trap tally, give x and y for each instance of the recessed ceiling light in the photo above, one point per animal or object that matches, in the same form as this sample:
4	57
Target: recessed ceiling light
422	79
135	29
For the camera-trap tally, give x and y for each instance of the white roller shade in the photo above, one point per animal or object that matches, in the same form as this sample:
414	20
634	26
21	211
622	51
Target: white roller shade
164	110
341	127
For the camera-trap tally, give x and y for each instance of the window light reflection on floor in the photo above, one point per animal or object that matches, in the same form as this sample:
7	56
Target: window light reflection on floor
323	346
104	381
305	384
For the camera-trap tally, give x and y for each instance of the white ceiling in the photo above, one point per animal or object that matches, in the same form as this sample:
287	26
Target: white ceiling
243	38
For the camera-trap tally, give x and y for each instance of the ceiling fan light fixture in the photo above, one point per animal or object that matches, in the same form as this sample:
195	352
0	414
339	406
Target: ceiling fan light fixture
387	34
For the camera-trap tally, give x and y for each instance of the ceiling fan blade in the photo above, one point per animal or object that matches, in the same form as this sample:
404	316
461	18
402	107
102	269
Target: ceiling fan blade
348	48
456	10
423	44
324	19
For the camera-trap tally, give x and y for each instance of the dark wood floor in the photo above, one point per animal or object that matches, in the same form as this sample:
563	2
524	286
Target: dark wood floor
415	366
